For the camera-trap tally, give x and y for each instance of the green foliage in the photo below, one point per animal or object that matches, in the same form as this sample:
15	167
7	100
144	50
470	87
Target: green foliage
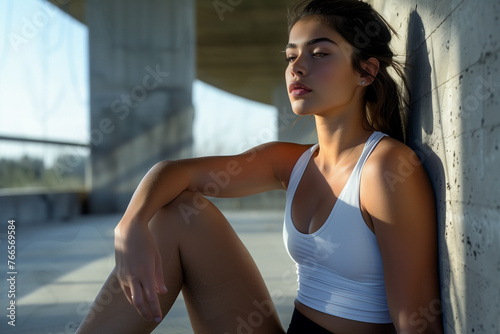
67	172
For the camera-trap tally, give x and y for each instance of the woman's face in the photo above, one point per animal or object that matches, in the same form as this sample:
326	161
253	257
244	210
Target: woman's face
320	78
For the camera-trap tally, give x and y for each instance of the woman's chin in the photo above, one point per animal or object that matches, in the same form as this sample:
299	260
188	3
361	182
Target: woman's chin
299	108
303	114
302	111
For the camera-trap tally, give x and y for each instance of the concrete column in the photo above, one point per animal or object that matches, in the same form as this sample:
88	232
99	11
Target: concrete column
453	66
292	128
141	72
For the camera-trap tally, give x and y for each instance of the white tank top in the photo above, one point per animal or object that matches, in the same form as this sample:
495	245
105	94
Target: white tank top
339	266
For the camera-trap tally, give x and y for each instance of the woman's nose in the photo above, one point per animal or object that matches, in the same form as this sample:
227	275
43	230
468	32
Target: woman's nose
299	66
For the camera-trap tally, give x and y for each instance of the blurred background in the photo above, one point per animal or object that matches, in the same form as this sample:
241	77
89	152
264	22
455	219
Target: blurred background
93	93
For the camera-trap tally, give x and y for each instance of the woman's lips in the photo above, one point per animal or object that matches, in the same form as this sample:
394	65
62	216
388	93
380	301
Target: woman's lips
298	89
300	92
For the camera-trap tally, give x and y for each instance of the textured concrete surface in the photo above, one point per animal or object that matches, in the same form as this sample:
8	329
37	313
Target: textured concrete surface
61	267
452	49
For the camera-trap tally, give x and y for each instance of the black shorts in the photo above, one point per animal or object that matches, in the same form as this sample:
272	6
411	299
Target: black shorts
300	324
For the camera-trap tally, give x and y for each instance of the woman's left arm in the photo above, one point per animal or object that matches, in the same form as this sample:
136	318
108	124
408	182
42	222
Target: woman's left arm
399	198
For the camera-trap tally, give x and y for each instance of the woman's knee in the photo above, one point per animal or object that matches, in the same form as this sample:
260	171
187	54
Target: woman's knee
191	206
187	208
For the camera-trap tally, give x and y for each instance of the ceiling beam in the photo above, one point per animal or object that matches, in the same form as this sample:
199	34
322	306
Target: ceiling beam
239	43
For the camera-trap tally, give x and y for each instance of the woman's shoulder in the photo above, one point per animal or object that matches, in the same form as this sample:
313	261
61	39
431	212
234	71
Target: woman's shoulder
284	150
392	163
390	153
395	187
283	156
390	146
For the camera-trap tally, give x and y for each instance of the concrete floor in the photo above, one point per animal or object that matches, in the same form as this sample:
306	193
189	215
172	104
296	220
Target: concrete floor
61	267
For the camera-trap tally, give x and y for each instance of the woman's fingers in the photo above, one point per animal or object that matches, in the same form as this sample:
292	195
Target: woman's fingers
139	301
127	292
140	271
153	303
144	298
159	279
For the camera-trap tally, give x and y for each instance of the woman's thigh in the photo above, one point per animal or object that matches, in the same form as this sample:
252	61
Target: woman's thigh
222	286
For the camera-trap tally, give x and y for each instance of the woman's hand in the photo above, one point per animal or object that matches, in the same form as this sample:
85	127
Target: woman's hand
139	269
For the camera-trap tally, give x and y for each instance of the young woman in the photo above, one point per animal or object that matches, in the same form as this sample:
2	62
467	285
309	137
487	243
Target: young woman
360	219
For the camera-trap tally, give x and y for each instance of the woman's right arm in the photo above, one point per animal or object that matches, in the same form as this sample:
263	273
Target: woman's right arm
263	168
138	263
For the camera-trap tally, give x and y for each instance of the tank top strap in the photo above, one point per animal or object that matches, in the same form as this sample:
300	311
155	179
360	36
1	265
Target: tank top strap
299	169
370	145
352	188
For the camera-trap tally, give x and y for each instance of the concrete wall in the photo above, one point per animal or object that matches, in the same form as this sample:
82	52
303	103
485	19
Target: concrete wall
41	208
141	56
453	48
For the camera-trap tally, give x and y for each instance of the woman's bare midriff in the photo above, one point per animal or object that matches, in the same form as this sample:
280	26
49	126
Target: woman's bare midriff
343	326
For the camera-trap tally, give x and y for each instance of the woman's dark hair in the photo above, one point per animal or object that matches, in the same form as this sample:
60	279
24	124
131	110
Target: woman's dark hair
369	34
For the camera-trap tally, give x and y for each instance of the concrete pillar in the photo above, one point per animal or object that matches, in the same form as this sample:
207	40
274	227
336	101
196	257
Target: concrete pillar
292	128
453	69
141	73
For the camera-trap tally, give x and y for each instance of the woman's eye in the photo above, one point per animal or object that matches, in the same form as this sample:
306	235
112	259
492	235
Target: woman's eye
291	59
319	54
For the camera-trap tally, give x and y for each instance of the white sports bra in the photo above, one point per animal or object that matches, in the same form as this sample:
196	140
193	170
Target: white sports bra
339	266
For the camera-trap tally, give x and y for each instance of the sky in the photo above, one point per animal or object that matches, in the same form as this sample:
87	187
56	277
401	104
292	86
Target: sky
242	123
42	93
44	90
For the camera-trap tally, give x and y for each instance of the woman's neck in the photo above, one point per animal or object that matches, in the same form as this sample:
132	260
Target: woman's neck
338	136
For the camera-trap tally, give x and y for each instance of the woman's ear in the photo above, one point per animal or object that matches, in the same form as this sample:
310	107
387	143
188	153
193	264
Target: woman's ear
371	66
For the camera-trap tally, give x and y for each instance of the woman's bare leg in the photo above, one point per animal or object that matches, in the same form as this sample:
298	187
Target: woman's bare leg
202	256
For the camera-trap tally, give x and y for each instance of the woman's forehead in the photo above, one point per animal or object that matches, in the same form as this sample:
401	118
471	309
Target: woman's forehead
312	28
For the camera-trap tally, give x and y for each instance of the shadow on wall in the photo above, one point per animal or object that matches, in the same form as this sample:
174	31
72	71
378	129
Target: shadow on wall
421	120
